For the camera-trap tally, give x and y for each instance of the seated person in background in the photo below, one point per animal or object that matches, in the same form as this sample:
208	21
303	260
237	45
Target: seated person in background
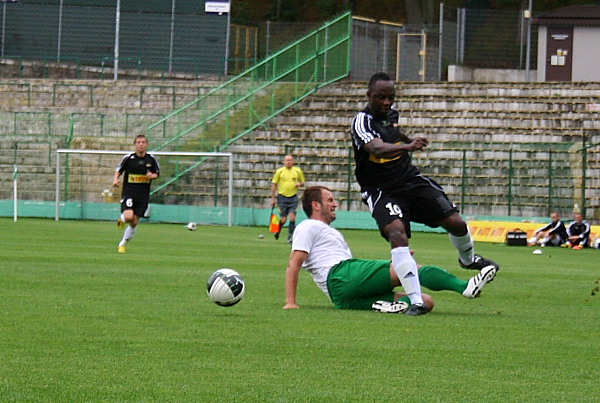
578	233
553	234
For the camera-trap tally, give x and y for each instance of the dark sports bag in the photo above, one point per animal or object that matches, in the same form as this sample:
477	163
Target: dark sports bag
516	237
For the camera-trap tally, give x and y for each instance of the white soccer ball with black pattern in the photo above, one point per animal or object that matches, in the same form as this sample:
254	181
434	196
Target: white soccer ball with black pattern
225	287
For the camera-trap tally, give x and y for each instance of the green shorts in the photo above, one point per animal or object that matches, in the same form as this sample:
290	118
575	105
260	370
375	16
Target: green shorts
356	284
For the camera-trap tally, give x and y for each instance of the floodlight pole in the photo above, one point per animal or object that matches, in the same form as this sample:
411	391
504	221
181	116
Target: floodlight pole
227	34
528	53
117	28
3	27
441	42
59	45
171	44
4	23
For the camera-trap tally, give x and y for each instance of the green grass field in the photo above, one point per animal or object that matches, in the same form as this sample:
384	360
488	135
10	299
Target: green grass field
81	323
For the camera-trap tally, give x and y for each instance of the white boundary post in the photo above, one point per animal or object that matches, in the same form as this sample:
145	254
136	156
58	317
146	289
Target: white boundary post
16	199
56	189
120	152
230	196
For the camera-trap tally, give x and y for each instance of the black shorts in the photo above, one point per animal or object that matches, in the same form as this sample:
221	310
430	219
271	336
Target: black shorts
138	204
419	200
287	205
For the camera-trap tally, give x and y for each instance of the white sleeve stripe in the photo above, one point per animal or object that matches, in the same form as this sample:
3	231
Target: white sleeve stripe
155	162
362	127
122	163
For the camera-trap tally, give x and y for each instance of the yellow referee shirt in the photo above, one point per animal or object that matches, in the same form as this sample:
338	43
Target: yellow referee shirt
287	179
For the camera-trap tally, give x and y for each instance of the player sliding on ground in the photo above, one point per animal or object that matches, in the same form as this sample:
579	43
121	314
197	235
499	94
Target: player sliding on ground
138	170
353	283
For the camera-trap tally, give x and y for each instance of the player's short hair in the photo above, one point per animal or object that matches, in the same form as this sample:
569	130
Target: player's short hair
378	77
311	194
140	136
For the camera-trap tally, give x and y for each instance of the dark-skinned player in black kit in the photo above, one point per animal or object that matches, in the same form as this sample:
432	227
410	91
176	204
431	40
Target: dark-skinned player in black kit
397	193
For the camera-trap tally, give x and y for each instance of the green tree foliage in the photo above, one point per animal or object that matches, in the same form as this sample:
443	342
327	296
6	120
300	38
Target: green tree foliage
413	11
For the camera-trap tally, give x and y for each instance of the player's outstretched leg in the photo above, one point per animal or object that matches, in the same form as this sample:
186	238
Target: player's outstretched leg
467	258
476	283
437	279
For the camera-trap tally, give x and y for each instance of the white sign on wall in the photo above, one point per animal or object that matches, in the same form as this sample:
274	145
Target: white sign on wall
219	7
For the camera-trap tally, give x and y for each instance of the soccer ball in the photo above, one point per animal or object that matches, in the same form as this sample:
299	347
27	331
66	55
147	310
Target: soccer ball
192	226
225	287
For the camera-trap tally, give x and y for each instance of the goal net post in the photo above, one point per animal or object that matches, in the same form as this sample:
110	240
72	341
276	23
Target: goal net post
193	186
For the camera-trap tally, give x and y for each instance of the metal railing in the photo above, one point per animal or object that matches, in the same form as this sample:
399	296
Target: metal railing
249	100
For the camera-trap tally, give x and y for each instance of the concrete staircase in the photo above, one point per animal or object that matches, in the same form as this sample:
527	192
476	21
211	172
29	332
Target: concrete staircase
481	135
39	116
496	148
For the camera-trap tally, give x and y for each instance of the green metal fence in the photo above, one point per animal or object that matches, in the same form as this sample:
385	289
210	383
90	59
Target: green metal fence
249	100
519	179
255	96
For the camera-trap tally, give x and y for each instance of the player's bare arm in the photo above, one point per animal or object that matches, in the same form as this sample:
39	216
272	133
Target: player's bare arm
117	179
404	137
380	149
273	195
297	257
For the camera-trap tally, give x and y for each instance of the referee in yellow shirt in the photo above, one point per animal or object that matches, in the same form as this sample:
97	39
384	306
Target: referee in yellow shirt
284	193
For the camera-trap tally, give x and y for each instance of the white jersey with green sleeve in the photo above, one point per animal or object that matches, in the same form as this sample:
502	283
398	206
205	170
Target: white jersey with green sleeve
325	246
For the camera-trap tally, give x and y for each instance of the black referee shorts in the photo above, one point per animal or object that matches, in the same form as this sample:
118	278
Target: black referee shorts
421	200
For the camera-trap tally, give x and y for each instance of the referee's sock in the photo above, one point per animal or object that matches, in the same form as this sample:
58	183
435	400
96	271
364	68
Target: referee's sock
406	269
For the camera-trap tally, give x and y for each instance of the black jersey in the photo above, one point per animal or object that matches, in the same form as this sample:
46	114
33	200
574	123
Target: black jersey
555	228
582	229
134	170
379	173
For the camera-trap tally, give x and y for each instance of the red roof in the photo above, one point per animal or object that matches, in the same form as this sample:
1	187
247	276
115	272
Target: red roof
570	16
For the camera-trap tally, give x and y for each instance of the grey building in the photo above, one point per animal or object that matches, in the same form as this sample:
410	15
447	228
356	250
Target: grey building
568	46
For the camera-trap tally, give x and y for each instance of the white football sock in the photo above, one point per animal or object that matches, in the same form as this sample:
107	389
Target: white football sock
122	217
465	247
127	235
406	269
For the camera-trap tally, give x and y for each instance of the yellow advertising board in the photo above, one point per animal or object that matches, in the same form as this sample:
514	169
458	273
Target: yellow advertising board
495	231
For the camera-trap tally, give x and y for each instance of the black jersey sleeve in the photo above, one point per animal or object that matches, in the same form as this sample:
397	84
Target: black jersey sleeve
121	166
362	130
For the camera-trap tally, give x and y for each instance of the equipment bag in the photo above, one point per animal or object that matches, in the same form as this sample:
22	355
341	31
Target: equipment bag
516	237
